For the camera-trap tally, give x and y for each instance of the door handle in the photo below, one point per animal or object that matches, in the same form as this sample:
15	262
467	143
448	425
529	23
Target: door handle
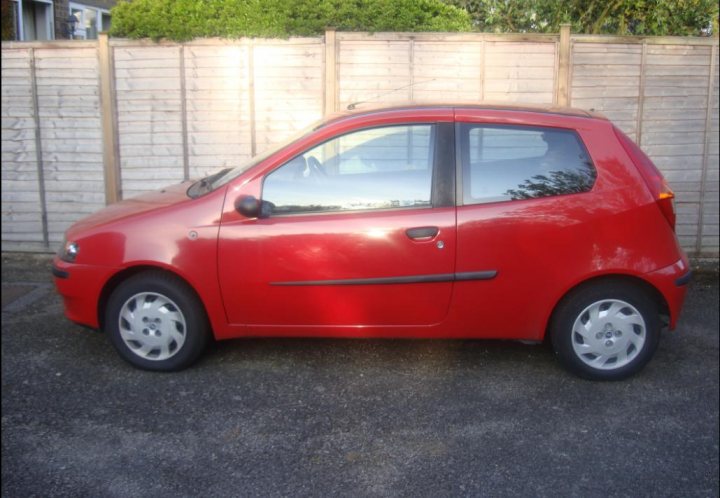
422	233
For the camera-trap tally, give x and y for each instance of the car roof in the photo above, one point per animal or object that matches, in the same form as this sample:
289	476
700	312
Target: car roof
362	108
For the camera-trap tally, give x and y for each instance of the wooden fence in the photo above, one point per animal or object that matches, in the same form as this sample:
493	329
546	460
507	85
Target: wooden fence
86	123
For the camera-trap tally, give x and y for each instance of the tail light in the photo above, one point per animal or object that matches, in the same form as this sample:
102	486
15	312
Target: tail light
657	184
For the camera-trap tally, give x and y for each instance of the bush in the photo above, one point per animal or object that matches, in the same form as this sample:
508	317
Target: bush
187	19
618	17
6	18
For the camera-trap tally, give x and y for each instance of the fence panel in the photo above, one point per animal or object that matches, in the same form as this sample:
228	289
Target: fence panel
149	114
606	77
709	208
218	107
287	89
675	100
520	72
181	111
69	109
431	79
374	70
22	213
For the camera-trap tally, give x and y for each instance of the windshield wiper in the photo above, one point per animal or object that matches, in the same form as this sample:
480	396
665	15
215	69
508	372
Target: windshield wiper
204	185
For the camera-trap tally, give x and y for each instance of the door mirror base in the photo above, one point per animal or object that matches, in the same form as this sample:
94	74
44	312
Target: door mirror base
252	207
248	206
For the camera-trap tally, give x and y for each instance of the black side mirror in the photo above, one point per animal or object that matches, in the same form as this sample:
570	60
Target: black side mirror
248	206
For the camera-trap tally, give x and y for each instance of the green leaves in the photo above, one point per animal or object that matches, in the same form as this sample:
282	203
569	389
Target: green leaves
187	19
618	17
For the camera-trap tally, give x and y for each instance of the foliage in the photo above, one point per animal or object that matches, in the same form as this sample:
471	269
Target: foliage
619	17
8	26
187	19
555	183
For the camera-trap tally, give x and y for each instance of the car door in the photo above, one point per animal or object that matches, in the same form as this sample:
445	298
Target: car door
358	231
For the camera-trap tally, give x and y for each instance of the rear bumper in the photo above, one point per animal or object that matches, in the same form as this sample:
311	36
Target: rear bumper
672	282
80	287
685	279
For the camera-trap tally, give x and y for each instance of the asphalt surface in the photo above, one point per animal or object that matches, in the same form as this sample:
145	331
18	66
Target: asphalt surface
348	418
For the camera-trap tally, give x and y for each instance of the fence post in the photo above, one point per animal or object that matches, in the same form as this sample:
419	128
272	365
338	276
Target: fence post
482	68
183	110
706	148
38	149
562	91
411	69
641	95
250	45
108	113
330	104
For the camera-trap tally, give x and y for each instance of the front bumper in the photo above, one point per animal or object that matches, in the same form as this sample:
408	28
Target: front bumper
80	287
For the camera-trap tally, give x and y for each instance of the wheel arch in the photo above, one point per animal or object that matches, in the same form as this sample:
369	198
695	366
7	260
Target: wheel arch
122	275
625	279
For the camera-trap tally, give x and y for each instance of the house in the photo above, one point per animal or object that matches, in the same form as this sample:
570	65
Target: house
27	20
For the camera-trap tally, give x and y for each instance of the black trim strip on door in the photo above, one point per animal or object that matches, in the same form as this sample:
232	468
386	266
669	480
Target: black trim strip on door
475	275
411	279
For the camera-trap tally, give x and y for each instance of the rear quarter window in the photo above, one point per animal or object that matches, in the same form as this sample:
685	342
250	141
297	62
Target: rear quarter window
505	163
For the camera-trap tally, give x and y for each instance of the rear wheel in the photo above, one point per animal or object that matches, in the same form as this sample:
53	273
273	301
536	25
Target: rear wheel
606	331
156	322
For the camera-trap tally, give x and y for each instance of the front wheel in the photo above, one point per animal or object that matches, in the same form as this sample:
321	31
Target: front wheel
607	331
156	322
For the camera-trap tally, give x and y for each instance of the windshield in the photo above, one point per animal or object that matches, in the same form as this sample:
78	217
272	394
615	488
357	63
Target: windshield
230	174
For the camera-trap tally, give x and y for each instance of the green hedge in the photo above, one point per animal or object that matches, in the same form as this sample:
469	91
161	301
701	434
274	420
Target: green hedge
187	19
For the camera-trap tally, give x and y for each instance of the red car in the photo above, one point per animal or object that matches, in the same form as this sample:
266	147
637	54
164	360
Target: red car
406	222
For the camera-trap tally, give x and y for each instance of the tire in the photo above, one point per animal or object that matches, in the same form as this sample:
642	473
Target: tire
156	322
606	331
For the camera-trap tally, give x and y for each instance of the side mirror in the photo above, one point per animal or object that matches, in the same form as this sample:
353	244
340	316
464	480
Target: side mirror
248	206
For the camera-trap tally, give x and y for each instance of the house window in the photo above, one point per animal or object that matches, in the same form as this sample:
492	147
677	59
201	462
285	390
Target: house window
105	20
37	20
91	20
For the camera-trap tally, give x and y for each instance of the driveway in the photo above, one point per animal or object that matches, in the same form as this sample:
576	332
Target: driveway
349	418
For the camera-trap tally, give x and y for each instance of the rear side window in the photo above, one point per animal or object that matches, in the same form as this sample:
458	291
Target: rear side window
503	163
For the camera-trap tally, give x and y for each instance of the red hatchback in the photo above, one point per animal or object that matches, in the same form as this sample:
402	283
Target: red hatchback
406	222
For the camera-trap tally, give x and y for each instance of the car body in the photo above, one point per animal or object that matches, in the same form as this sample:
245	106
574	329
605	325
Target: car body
433	221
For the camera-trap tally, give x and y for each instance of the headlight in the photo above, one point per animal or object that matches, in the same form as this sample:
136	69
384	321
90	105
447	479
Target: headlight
69	251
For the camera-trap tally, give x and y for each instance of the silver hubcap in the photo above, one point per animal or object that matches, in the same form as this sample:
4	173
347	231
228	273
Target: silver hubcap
152	326
608	334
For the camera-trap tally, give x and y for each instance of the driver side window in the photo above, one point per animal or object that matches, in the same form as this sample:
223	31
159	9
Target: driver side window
378	168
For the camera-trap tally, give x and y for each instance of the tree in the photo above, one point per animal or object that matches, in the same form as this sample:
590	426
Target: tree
554	183
7	14
618	17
